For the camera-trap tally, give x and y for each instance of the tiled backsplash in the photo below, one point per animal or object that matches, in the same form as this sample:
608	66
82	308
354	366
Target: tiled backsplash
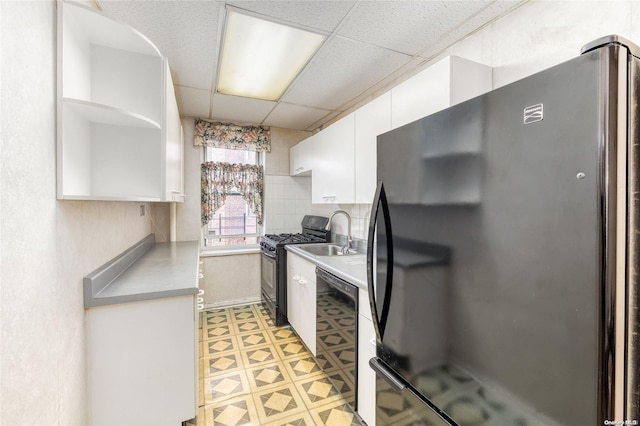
286	200
359	218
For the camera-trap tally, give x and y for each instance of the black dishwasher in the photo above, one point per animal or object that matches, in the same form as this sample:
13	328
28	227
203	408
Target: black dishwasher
337	333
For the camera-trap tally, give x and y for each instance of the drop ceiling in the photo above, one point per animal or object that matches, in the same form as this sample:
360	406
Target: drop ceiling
370	46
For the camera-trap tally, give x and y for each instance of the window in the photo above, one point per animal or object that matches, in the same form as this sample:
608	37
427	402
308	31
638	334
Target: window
233	224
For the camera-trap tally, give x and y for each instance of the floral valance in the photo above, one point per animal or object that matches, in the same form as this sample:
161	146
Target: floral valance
232	136
219	179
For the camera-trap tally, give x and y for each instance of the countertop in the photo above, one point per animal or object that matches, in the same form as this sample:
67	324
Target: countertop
146	271
352	268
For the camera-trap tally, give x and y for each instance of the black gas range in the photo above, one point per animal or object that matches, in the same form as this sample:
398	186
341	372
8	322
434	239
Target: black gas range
273	280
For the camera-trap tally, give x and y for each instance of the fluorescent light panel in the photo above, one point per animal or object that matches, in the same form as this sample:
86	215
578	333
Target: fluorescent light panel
261	58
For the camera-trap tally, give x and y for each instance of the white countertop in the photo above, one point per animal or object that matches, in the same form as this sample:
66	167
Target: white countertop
352	268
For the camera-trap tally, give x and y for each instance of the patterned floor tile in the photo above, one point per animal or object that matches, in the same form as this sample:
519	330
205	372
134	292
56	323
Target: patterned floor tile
291	348
278	403
222	363
317	390
301	419
223	387
267	322
302	366
219	345
280	334
252	339
242	316
268	376
335	414
250	325
259	356
239	411
343	381
217	318
216	331
254	373
327	362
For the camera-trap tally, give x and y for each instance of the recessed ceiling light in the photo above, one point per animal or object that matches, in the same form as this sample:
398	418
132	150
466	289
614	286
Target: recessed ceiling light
261	58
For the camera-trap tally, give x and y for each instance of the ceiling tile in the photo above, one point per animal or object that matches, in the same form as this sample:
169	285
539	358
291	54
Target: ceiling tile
240	110
407	26
342	70
193	102
323	15
488	14
291	116
184	31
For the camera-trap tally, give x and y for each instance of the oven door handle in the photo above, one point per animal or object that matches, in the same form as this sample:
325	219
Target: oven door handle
269	254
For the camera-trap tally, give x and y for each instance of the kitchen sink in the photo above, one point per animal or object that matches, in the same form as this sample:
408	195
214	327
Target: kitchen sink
326	250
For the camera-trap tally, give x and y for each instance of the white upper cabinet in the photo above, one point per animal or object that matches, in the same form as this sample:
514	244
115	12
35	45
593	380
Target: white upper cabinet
333	179
301	157
116	112
447	82
174	143
372	120
344	154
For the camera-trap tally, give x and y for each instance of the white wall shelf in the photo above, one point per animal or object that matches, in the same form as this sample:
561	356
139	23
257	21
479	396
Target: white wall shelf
99	113
119	132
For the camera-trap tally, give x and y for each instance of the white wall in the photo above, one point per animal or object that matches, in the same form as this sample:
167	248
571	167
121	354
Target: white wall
541	34
46	246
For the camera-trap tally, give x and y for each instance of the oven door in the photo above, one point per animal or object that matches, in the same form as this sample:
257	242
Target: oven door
268	282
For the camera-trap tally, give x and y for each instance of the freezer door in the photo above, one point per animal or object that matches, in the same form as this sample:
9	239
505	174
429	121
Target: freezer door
489	244
400	405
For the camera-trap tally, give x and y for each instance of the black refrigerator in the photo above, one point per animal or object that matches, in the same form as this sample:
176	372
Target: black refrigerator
503	255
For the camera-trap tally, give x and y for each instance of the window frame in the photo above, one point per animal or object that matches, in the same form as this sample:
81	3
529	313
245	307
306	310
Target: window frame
259	160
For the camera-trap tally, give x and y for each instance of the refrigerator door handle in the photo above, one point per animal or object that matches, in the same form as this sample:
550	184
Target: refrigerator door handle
396	383
379	321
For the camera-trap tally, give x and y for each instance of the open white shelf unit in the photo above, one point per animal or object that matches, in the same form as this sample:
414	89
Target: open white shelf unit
115	124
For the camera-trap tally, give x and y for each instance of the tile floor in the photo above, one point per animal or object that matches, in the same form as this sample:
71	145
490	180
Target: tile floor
254	373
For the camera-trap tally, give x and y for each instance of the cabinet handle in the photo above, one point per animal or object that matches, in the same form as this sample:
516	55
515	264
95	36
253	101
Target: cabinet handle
329	198
200	276
297	278
303	282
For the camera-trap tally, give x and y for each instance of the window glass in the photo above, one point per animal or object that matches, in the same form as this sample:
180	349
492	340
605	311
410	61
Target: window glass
234	224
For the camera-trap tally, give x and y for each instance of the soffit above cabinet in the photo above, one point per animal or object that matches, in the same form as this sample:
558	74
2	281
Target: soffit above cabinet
371	46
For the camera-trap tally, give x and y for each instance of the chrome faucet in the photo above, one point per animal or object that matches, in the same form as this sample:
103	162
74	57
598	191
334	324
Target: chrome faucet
346	248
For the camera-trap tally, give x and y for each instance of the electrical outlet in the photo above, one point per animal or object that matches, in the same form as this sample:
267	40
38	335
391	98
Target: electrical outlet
143	211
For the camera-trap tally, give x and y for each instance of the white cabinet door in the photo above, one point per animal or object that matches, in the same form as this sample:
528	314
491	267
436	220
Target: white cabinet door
301	157
371	120
366	376
293	297
301	299
143	362
307	306
447	82
333	178
173	139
